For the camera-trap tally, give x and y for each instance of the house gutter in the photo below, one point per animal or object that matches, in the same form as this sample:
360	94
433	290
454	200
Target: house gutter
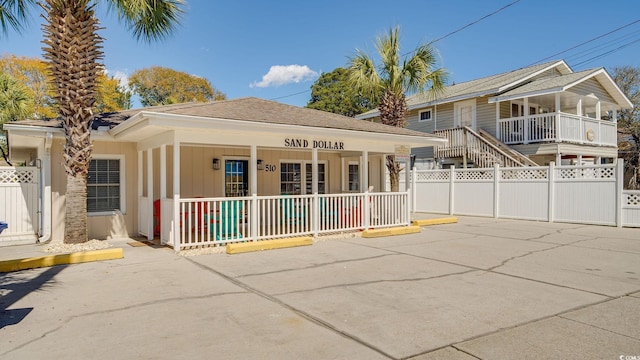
45	190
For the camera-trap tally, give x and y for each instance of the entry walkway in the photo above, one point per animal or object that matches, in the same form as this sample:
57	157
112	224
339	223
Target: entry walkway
480	288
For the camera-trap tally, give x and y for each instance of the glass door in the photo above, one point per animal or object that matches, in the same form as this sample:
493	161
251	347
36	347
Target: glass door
236	178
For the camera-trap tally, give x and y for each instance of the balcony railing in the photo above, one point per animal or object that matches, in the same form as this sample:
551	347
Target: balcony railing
557	127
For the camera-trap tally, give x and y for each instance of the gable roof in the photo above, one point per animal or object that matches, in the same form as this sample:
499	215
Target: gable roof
479	87
564	82
249	109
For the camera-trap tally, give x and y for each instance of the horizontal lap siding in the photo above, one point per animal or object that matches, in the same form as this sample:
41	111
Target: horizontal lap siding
486	115
592	86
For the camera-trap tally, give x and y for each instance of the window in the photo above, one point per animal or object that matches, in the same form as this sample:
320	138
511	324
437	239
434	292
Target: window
290	178
321	178
105	189
354	177
424	115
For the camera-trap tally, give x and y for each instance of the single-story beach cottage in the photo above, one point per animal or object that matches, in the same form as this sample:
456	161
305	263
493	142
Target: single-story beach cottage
225	171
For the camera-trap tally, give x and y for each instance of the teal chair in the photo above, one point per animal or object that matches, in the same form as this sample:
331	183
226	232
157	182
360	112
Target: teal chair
227	221
293	211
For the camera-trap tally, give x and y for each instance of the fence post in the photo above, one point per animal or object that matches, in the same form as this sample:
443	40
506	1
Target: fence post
254	217
315	211
452	175
496	190
619	188
414	189
551	177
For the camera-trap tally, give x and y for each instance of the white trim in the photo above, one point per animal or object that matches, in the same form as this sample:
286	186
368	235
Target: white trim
431	115
123	185
303	174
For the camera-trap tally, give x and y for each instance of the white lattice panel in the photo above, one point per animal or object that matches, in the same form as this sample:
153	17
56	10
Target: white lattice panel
18	176
631	199
524	174
474	175
586	172
432	175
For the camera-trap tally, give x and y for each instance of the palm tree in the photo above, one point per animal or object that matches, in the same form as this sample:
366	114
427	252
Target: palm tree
72	48
391	81
14	104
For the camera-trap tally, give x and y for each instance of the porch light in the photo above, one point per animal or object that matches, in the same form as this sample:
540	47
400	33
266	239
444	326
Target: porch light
260	164
216	164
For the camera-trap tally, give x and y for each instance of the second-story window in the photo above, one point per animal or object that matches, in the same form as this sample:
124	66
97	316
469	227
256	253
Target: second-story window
424	115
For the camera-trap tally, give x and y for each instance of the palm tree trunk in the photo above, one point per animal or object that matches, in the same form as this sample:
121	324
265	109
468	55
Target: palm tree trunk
75	227
72	48
394	173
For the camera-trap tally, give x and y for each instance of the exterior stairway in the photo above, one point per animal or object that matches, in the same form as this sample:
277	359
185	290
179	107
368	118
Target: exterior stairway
481	148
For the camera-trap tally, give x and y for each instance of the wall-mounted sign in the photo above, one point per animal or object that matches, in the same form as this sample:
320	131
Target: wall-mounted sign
402	153
314	144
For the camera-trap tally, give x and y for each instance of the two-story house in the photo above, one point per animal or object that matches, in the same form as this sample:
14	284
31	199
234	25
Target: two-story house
529	116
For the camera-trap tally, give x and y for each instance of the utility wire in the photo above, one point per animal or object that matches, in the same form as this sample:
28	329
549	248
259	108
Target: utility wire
584	43
434	41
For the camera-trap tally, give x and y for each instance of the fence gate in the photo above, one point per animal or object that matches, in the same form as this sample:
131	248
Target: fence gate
19	204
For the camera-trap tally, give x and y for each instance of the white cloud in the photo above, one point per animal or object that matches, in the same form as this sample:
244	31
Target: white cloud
285	74
121	76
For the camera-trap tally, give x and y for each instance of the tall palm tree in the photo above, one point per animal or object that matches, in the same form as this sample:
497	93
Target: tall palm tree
72	48
391	81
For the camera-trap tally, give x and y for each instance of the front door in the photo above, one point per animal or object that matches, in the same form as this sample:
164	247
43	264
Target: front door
465	114
236	178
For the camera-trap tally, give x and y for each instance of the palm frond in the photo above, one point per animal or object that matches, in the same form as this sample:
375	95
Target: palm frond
364	76
149	19
13	13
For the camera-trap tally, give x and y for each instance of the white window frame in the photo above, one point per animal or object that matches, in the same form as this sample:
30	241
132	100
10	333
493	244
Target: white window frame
303	174
428	110
123	185
358	179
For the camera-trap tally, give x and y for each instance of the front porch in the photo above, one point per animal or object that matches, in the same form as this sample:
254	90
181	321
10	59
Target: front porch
192	222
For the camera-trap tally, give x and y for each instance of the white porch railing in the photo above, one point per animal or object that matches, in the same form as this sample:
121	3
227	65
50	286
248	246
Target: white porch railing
217	221
557	127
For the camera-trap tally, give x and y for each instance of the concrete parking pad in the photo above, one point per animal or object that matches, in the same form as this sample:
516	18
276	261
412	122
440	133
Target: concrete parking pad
554	338
620	316
481	288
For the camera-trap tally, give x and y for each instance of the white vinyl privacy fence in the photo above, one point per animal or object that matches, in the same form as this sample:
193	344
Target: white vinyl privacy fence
19	204
590	194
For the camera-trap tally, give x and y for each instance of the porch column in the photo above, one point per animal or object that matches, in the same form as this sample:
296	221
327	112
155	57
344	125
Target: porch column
364	208
614	115
315	204
558	159
176	195
597	160
163	185
526	121
149	219
253	171
557	124
598	116
498	130
141	221
579	160
579	107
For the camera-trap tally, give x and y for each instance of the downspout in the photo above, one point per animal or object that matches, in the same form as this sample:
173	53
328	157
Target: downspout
45	190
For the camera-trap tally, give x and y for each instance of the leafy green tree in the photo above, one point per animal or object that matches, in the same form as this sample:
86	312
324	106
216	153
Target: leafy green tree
111	96
72	49
15	104
333	93
162	86
628	79
34	75
391	81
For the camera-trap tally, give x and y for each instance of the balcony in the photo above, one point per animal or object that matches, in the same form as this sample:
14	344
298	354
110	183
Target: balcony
557	127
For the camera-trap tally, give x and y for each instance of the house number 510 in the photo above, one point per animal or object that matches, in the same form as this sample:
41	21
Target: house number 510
270	168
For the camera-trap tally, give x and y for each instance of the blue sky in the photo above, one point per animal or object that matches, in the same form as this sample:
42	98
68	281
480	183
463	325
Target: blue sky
274	49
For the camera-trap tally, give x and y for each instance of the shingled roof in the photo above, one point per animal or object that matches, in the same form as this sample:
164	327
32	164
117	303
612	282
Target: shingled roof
248	109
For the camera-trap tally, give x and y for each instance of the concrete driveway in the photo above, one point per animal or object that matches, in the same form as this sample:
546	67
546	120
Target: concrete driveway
481	288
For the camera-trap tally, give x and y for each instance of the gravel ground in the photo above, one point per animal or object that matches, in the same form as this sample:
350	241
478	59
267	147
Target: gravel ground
68	248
